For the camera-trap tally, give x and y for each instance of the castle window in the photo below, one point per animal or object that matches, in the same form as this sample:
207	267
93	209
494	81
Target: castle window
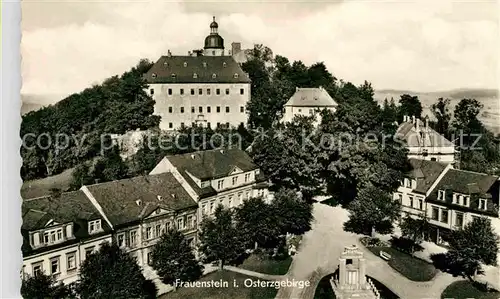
227	90
242	109
441	195
208	91
218	109
170	109
209	109
242	91
152	91
227	109
170	125
235	75
214	76
153	75
185	64
217	91
200	109
182	109
170	91
192	109
224	64
482	204
192	91
195	75
200	91
182	91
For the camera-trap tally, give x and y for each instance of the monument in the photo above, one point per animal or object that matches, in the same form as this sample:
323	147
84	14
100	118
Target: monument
351	281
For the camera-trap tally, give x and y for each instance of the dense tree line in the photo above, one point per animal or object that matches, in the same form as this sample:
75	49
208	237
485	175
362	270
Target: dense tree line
60	136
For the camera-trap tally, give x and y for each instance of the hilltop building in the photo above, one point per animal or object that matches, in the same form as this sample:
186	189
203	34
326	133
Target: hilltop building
425	143
206	89
308	101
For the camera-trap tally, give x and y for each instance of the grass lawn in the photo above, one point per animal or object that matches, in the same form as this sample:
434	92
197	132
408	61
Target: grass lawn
411	267
229	292
263	264
464	289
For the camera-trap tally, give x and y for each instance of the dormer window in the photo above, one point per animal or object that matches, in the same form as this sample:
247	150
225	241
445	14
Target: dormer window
185	64
174	75
483	205
165	64
153	75
407	183
205	184
467	201
441	194
214	76
235	76
204	64
224	64
159	197
195	75
94	226
257	171
220	184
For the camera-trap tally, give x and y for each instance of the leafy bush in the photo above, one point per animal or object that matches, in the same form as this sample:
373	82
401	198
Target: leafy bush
405	245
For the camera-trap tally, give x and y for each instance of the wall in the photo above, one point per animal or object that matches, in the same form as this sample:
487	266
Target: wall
65	275
234	101
290	112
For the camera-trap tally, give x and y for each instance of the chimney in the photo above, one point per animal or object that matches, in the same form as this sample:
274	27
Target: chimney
169	53
190	54
235	48
413	119
427	123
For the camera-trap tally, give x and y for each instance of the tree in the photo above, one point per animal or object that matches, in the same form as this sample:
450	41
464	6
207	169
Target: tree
112	273
173	259
441	112
414	229
81	176
409	105
465	116
288	157
293	215
43	286
389	112
372	211
472	246
256	222
219	238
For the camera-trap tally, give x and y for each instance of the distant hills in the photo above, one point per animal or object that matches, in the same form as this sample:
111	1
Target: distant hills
490	98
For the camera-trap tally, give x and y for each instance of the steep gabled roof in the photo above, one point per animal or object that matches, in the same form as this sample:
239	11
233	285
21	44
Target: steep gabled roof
467	182
311	97
67	207
422	136
133	199
182	69
213	164
426	173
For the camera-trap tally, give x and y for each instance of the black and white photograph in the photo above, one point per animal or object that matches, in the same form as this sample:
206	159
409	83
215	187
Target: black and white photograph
259	149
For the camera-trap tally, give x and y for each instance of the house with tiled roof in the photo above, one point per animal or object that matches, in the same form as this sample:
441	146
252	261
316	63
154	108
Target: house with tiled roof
59	231
307	102
213	177
458	197
423	142
205	88
141	209
418	184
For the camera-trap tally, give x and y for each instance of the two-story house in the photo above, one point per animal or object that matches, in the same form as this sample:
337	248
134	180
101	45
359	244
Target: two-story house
308	102
141	209
417	185
459	197
213	177
59	231
425	143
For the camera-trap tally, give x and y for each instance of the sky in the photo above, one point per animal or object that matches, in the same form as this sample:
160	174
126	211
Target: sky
419	45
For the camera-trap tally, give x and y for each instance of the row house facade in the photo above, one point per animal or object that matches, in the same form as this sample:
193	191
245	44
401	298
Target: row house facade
221	176
449	198
141	209
59	231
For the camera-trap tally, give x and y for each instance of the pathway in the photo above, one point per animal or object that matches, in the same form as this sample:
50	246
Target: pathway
254	274
321	247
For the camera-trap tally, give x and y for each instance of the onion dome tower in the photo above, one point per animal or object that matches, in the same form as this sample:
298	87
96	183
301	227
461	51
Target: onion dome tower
214	43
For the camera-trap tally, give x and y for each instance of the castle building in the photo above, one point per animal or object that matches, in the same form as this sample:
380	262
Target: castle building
206	89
